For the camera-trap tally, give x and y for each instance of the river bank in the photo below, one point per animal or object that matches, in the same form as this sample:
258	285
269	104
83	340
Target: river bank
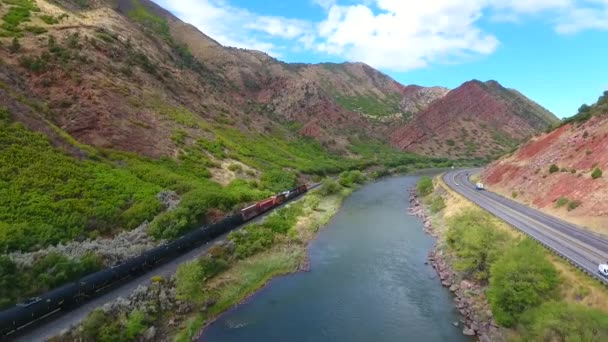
507	286
176	307
468	295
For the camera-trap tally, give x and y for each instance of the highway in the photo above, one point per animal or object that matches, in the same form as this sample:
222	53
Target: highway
582	248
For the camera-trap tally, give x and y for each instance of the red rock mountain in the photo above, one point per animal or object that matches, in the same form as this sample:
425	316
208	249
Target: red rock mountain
476	119
555	171
127	75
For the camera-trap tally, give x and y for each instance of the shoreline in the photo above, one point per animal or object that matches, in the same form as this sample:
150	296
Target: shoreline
469	296
303	264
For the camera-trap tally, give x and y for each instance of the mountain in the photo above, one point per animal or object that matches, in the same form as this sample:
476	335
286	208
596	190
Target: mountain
477	119
113	72
555	171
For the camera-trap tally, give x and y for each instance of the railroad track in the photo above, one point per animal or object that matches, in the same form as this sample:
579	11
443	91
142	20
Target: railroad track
581	248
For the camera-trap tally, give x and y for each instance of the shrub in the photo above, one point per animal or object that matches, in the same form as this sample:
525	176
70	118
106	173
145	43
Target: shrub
514	194
558	321
188	280
49	19
437	204
450	142
212	266
278	180
476	241
553	168
562	201
251	240
520	280
329	187
597	173
15	45
348	178
136	324
574	204
424	186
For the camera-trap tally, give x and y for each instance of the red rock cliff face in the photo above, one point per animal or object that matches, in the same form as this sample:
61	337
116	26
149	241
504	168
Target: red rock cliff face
475	120
577	151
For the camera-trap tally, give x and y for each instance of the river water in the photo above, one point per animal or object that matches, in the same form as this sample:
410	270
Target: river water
368	282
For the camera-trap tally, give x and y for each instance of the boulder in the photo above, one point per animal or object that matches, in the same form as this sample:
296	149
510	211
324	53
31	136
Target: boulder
468	332
149	334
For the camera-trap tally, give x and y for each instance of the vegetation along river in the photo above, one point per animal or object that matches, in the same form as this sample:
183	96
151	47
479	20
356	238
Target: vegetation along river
368	282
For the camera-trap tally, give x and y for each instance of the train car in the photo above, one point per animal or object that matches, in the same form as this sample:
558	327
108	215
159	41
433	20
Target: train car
266	204
96	281
250	212
280	198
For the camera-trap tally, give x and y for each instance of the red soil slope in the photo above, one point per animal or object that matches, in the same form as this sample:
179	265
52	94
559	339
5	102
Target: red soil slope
576	150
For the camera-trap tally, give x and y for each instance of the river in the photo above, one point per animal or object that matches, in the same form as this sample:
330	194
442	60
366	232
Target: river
368	282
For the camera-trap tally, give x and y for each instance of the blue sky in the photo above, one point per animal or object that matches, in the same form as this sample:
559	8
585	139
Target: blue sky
553	51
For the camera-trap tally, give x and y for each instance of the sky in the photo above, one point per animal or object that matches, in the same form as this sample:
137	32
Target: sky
553	51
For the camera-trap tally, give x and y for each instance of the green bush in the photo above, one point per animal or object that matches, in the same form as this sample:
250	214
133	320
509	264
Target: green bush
348	178
424	186
514	194
329	187
189	279
597	173
49	19
278	180
520	280
562	201
251	240
212	266
559	321
574	204
437	204
553	168
477	243
136	325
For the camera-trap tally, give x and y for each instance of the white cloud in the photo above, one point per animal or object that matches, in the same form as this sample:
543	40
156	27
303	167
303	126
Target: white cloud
394	35
238	27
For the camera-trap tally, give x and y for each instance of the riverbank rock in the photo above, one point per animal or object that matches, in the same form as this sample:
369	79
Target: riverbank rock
149	334
468	332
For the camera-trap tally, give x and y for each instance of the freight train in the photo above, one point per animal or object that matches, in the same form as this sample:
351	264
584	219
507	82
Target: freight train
74	293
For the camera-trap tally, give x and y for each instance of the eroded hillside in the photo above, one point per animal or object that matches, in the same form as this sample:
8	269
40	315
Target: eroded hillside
562	172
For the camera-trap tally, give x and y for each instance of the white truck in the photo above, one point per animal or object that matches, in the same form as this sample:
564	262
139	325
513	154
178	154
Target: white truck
602	269
479	186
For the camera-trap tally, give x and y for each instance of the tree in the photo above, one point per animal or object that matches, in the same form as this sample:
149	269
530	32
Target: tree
425	186
520	280
476	241
584	108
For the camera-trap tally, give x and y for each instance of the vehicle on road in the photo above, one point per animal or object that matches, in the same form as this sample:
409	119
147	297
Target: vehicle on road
479	186
602	269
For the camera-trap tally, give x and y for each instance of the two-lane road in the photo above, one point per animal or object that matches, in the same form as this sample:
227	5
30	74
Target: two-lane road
582	248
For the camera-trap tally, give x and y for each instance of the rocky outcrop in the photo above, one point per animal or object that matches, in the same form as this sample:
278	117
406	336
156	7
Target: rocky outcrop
469	297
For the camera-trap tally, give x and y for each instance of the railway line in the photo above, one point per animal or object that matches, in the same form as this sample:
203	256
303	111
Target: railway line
583	249
47	315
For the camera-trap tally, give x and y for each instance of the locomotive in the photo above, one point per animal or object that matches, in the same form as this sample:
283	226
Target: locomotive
70	295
